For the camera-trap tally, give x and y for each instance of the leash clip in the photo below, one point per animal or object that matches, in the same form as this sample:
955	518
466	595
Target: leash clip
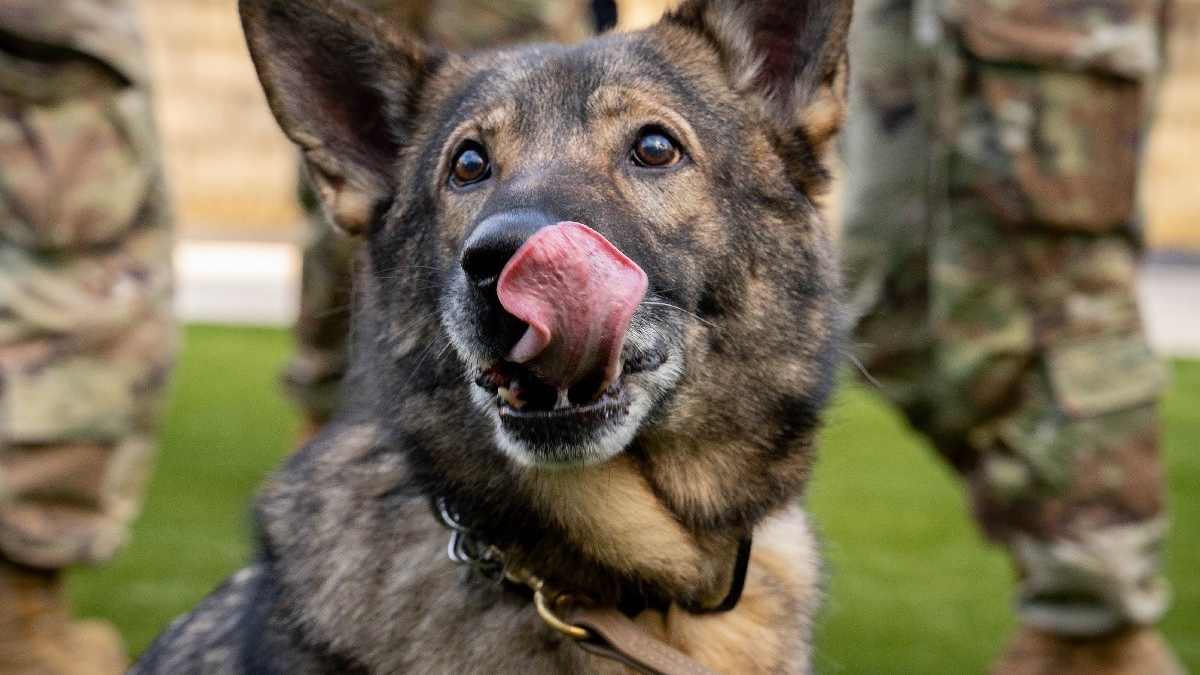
487	562
544	610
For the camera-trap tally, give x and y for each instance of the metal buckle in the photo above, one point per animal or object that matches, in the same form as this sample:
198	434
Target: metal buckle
488	563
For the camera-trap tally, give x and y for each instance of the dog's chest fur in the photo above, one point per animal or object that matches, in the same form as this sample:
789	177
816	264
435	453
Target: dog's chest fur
339	577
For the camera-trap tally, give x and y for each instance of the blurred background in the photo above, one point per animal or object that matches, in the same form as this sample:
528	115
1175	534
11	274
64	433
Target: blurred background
900	577
233	173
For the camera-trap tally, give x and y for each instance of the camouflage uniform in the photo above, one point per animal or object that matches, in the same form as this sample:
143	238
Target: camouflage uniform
991	246
86	334
313	378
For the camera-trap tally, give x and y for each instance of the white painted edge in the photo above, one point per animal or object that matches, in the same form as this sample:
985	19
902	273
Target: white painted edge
243	283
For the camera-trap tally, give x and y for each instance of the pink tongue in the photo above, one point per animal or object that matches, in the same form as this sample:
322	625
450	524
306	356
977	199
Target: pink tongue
577	292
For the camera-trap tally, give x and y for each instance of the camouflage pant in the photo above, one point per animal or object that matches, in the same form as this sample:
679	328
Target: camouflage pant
991	246
313	378
86	334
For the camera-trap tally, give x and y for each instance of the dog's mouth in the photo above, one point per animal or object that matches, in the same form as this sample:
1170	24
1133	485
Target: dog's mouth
565	392
521	396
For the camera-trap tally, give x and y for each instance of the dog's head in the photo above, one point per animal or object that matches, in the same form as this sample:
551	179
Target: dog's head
575	252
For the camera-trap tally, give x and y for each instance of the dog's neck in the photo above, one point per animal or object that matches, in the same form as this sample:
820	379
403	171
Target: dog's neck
609	515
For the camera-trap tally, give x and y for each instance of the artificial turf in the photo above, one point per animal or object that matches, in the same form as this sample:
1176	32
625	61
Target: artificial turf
910	589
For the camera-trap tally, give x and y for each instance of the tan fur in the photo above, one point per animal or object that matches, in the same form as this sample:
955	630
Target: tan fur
609	511
762	634
346	200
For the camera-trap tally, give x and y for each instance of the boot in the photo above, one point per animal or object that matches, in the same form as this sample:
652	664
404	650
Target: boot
1131	651
37	635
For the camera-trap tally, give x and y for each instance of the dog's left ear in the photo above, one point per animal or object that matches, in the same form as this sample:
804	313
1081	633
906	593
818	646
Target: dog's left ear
342	84
789	56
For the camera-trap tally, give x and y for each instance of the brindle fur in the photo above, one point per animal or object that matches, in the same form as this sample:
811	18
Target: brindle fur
352	577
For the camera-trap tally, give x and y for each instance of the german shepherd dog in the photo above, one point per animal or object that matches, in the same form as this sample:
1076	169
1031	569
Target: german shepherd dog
595	325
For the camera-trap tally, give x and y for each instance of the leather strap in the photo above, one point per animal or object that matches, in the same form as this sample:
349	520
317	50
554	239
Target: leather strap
605	631
741	563
616	636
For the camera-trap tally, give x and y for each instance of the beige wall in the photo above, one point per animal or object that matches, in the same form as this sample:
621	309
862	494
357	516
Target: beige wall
639	13
231	170
1172	183
233	173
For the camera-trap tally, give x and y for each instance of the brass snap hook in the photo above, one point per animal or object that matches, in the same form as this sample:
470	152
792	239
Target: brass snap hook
542	603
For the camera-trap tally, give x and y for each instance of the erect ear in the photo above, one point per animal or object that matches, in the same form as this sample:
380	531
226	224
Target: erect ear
342	84
789	56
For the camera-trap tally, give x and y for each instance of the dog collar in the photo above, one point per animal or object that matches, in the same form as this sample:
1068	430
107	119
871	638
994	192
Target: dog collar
488	562
609	632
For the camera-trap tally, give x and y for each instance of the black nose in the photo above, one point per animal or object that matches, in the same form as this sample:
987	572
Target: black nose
495	240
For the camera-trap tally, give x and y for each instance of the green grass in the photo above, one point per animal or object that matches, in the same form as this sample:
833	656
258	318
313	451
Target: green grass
226	427
911	589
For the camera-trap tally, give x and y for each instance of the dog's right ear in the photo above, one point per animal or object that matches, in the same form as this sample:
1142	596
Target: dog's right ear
789	56
341	83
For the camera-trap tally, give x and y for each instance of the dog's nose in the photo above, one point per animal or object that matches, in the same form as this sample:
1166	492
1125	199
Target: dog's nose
496	240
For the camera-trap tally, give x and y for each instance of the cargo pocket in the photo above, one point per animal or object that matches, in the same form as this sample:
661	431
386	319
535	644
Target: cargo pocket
1105	375
1101	391
84	398
1066	86
78	156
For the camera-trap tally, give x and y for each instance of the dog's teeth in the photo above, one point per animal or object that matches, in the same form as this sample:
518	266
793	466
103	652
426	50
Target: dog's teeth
510	398
563	400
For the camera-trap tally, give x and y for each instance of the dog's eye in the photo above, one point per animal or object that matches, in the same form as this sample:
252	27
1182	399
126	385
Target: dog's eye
655	149
470	165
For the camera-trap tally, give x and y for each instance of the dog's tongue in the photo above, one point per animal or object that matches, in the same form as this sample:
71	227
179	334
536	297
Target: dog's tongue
577	292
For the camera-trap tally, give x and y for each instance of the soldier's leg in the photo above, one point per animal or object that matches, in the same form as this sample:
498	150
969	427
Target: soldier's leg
86	336
313	378
1016	348
1058	445
1051	386
888	207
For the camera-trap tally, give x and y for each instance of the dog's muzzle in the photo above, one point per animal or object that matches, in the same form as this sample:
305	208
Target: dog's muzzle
552	304
575	293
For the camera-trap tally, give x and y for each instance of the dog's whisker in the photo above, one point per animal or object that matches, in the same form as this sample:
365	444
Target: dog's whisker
400	276
420	362
862	368
402	266
680	309
403	330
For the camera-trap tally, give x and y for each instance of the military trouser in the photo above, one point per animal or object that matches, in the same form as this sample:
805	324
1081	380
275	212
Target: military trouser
314	376
86	335
991	248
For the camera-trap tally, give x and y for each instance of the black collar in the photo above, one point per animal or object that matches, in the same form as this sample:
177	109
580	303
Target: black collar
487	562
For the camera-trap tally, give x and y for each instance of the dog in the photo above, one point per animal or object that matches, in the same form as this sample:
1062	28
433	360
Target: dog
595	330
